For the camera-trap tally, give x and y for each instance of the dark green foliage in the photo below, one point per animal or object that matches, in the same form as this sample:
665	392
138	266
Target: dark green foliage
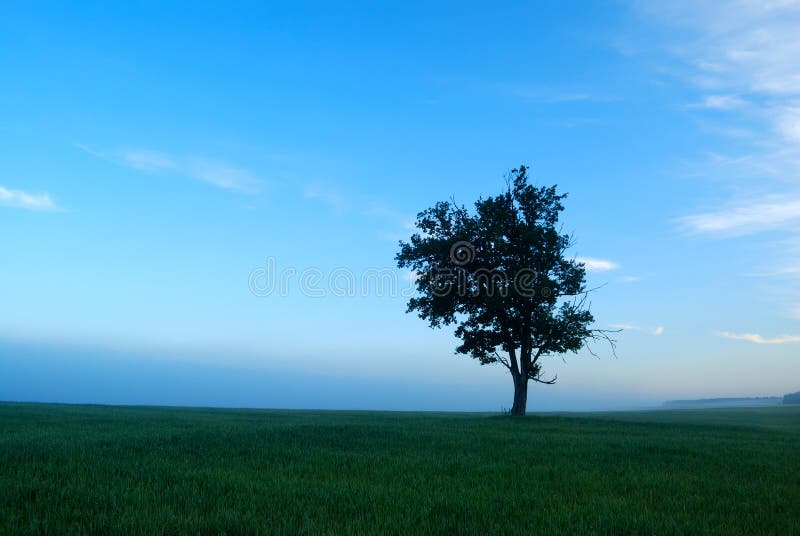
502	275
114	470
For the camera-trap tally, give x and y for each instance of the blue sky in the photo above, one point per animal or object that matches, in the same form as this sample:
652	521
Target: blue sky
155	158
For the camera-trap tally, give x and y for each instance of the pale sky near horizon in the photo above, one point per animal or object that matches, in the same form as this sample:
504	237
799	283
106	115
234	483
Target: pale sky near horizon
156	157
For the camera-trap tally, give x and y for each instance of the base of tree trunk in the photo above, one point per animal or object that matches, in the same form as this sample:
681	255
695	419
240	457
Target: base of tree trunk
520	397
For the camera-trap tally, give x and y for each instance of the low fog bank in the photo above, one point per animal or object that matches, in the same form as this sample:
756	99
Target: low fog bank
33	372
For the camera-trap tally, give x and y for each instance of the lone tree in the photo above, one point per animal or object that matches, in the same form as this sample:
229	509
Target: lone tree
502	275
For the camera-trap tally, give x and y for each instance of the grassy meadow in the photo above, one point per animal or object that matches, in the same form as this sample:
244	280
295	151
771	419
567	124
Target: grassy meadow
96	469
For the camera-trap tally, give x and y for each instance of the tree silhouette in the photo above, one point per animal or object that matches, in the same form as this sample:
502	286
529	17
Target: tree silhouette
502	275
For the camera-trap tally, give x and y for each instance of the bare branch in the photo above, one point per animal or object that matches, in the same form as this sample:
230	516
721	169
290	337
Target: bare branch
538	378
502	360
584	292
539	352
602	335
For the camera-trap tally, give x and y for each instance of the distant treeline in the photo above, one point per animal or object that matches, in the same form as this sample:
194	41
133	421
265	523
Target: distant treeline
791	398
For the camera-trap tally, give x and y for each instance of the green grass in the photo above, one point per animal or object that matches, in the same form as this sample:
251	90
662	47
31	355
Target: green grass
95	469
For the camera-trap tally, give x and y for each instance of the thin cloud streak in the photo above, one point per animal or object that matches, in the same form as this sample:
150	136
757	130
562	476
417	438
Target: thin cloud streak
222	175
219	174
747	219
597	265
150	161
720	102
25	200
658	330
758	339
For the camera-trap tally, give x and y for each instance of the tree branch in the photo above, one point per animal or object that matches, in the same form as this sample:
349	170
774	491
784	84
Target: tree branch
602	335
502	360
539	352
538	378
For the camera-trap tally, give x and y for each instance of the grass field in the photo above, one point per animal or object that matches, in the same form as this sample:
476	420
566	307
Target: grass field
95	469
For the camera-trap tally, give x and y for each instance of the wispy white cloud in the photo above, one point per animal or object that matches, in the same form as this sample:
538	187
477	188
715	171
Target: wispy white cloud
25	200
719	102
597	265
758	339
658	330
785	271
216	173
744	55
788	123
751	45
728	131
624	325
746	219
145	160
629	279
222	175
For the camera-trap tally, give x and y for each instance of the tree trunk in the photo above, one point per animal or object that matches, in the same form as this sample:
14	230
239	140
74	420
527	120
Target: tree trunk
520	395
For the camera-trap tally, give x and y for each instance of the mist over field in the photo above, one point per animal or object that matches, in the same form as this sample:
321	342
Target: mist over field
102	375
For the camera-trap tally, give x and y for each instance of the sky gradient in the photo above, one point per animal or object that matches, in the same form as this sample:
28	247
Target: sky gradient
157	161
